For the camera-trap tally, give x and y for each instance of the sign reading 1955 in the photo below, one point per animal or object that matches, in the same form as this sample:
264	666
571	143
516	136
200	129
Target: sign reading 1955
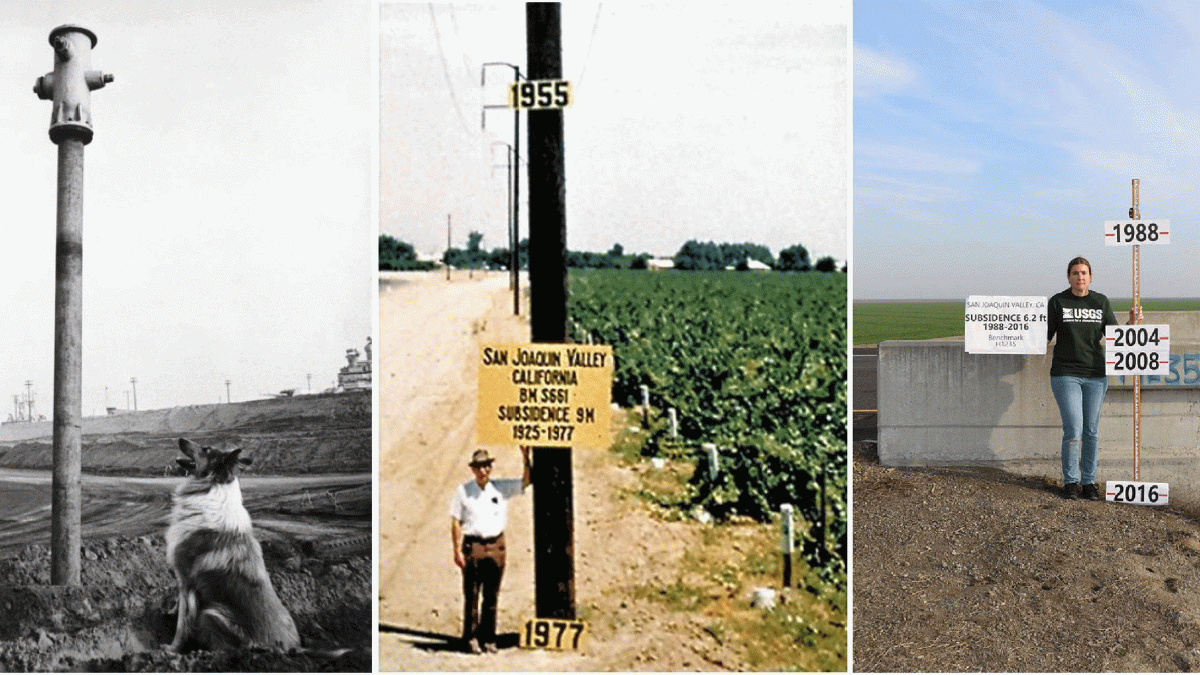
540	95
1136	232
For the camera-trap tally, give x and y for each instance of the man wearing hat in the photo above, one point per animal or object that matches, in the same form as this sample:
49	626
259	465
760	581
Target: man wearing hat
478	515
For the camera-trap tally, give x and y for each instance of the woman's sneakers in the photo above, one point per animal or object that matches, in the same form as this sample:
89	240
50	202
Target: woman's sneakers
1070	491
1091	491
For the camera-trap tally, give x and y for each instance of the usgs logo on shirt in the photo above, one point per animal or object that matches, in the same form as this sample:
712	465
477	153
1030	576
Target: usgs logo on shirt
1081	314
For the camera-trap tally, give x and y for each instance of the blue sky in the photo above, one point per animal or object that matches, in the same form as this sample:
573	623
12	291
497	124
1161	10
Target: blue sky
715	123
991	141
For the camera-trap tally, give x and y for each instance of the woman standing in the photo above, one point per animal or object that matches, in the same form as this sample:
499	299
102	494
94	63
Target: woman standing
1078	317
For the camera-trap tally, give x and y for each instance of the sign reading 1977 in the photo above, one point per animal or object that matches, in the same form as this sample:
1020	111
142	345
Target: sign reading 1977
1136	232
554	395
540	95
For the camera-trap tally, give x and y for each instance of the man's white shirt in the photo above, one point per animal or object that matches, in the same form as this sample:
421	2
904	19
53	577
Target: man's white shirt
484	512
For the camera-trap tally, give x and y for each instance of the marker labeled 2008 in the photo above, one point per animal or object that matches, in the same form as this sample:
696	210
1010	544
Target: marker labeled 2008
1137	350
1136	492
1136	232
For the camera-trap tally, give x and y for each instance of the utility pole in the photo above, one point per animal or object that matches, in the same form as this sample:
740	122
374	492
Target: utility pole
553	501
514	258
133	381
447	254
228	396
69	87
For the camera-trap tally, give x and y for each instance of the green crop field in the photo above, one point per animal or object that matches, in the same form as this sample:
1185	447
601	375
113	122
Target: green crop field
752	362
875	322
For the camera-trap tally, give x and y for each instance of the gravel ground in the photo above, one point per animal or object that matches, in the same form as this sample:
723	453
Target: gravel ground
968	569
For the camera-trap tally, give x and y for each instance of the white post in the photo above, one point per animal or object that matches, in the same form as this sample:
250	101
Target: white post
714	466
674	424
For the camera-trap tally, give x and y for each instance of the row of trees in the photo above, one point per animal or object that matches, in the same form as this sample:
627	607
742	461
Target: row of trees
693	255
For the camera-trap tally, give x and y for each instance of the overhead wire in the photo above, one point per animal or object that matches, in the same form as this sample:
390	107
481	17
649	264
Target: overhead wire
588	57
446	70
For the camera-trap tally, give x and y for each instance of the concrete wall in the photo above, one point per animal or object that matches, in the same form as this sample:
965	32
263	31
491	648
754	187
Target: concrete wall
940	405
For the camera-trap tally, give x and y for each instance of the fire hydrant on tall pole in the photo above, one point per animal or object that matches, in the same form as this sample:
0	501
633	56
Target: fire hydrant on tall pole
69	87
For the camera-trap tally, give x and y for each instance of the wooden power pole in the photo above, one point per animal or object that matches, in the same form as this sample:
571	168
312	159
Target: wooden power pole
553	501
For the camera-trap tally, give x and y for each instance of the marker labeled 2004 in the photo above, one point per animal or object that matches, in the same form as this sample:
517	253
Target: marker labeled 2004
1137	350
1137	492
1136	232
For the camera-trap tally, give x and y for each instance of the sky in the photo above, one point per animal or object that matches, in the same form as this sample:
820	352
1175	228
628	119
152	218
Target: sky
715	124
228	225
992	141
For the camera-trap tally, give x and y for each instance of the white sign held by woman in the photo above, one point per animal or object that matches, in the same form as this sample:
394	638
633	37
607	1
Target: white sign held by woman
1005	324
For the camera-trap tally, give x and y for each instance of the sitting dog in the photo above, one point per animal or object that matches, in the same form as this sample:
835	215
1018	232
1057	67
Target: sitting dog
226	599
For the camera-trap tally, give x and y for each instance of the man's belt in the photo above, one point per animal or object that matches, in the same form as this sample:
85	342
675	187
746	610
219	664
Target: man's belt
472	539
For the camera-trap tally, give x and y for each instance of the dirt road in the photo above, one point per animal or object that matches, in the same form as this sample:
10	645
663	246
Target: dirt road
429	333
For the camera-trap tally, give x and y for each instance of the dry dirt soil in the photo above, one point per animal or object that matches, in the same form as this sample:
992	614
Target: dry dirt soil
316	537
967	569
430	330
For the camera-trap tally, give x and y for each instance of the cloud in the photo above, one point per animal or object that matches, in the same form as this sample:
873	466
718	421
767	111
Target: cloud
877	74
908	158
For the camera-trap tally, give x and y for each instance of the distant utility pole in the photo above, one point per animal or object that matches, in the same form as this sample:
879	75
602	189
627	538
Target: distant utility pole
514	233
553	502
228	396
447	254
133	381
69	87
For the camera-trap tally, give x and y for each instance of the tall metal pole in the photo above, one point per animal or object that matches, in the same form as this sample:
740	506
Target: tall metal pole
69	86
514	258
553	501
1136	214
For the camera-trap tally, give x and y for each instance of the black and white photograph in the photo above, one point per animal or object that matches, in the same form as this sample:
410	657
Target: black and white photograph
186	373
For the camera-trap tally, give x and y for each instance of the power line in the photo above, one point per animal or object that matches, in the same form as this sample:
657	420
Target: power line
446	69
458	36
591	41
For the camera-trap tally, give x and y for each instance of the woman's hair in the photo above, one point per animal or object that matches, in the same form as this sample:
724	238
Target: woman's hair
1078	260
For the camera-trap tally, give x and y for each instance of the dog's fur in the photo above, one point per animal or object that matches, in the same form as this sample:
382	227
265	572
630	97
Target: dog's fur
226	599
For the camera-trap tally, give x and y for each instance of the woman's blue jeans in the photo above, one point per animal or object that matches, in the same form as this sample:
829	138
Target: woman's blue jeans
1079	400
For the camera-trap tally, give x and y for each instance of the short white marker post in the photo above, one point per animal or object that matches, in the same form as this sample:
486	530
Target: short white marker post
674	423
645	406
788	543
714	465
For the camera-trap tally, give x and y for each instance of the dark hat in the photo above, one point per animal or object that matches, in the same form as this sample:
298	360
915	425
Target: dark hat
481	458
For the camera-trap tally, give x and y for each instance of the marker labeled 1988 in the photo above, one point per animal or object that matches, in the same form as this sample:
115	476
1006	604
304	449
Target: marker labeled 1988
1136	492
1136	232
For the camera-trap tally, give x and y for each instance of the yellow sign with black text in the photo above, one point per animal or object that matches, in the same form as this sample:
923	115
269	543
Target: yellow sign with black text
550	395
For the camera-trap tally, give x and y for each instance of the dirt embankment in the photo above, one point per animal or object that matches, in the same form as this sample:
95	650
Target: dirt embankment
961	569
123	614
328	433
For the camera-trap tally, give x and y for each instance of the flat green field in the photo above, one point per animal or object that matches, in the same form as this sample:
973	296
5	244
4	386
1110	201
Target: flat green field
876	321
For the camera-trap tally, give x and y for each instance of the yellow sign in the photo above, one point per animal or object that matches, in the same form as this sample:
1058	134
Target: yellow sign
556	634
544	394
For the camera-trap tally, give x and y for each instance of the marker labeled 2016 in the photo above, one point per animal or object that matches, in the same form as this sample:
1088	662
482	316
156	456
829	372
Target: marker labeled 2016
1136	232
540	95
1136	492
1137	350
557	634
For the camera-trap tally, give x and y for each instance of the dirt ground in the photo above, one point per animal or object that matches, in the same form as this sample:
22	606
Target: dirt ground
315	532
429	331
967	569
